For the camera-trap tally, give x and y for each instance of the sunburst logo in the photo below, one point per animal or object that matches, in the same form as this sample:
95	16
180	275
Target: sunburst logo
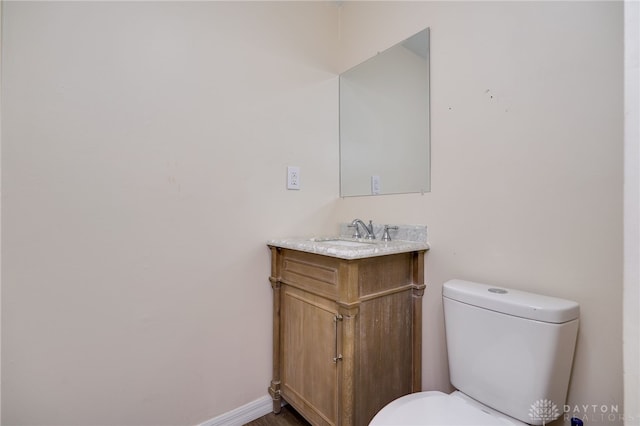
544	410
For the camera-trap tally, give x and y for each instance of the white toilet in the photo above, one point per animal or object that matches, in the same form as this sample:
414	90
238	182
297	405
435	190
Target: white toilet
510	357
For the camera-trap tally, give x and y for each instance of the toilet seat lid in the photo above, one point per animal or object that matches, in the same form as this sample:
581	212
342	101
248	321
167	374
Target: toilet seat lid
437	408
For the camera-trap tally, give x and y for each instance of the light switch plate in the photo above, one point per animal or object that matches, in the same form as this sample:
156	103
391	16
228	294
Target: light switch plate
375	185
293	177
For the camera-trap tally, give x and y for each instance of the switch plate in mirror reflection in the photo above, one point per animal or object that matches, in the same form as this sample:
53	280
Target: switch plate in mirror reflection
384	121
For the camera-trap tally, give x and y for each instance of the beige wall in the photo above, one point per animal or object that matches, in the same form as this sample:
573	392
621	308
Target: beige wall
631	304
143	167
527	131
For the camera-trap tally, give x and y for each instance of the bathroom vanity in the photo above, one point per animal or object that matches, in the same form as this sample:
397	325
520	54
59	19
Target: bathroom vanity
347	326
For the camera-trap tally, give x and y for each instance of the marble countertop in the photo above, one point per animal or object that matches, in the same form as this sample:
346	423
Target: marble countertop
345	247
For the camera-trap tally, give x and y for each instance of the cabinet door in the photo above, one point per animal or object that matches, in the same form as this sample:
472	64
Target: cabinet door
310	330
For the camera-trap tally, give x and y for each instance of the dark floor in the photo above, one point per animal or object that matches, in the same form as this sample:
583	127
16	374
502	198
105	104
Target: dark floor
287	417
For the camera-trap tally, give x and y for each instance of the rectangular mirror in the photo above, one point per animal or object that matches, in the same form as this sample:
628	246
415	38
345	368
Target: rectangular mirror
384	122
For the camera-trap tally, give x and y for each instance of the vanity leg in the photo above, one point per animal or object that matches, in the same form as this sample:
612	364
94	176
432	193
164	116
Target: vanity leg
274	389
417	293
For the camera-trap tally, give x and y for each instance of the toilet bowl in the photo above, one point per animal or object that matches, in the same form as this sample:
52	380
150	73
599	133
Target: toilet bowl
510	354
440	409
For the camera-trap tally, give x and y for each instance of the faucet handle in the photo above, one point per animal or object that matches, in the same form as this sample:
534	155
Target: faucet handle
356	232
385	235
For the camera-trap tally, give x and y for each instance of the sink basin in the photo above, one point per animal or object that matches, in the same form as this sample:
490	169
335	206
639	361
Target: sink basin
342	242
347	243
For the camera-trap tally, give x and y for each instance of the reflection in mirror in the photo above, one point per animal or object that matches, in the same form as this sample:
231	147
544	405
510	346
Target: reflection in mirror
384	122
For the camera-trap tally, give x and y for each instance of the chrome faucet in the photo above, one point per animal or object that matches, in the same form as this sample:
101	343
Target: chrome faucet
368	229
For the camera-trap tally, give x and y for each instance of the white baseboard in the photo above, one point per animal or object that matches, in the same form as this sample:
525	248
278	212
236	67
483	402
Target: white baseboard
243	414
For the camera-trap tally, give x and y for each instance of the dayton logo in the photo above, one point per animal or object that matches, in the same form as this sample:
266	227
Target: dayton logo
544	410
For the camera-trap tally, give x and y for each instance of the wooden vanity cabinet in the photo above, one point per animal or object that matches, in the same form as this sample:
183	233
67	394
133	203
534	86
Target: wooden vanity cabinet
347	333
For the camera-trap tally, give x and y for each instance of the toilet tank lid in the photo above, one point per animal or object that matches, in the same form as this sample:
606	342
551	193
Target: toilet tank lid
512	302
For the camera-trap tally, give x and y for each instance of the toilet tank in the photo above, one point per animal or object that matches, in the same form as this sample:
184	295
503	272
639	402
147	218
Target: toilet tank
509	349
